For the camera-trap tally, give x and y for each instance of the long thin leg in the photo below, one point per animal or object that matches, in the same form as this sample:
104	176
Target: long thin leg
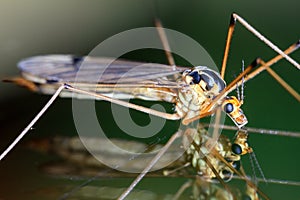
257	130
227	46
234	18
210	165
165	43
281	81
174	116
29	126
150	165
265	40
266	65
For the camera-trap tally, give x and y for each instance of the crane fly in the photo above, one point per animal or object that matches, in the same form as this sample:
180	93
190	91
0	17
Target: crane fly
197	93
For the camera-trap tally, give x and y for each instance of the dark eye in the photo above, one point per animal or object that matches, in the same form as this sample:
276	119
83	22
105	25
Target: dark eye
237	149
236	165
228	108
196	77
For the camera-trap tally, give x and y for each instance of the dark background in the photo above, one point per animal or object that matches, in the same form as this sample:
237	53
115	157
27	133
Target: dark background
76	27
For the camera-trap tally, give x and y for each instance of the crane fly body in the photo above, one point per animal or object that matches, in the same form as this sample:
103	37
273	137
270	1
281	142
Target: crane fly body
192	93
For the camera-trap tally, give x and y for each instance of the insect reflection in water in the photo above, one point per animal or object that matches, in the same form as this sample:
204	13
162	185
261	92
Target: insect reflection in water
81	163
205	172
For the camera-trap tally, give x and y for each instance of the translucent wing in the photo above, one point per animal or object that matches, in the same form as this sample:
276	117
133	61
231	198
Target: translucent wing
101	75
69	68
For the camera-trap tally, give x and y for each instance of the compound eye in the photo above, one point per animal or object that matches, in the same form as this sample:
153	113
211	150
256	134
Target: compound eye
196	77
228	108
237	149
236	165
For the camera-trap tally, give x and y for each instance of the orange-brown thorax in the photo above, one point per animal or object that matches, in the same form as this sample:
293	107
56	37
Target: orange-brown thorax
202	85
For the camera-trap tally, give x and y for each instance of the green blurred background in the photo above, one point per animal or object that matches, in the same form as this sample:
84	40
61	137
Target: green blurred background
34	27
